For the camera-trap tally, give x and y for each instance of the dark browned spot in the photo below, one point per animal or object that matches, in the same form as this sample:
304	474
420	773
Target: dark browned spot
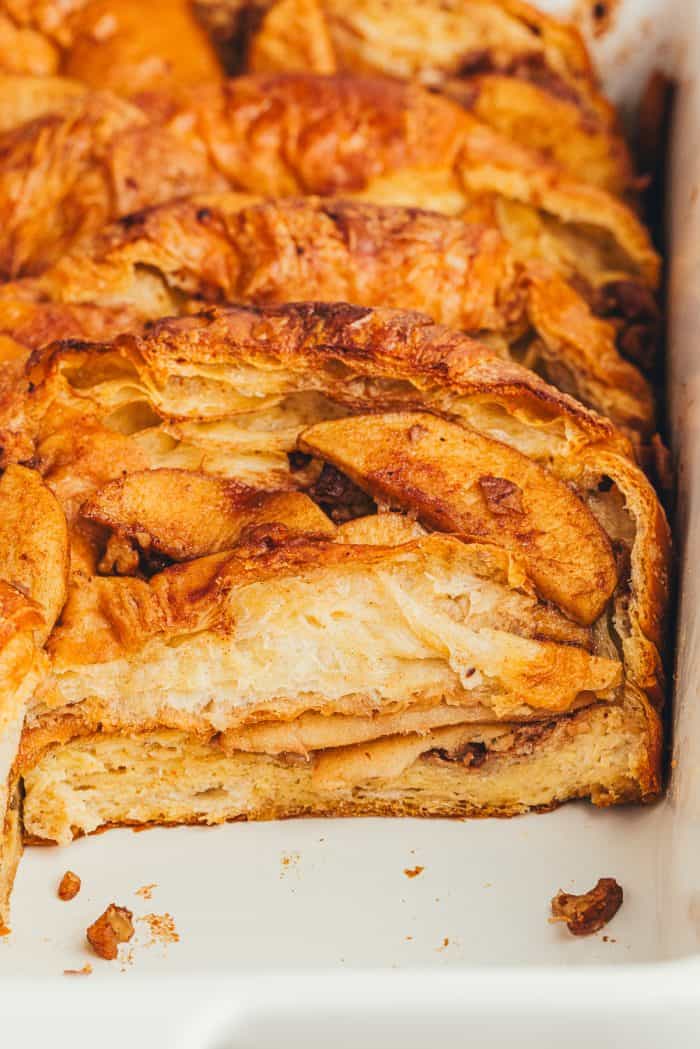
339	497
501	495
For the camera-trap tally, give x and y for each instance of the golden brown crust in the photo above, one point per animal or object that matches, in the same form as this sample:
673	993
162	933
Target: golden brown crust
291	135
316	340
518	69
101	150
227	247
109	44
358	130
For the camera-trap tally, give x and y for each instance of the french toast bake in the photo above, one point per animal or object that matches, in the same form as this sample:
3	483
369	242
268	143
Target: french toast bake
325	403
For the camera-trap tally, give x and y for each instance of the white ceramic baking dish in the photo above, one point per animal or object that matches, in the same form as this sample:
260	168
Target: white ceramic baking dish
310	933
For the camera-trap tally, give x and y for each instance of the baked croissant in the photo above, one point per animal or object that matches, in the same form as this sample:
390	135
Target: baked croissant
379	140
110	44
242	485
230	247
519	70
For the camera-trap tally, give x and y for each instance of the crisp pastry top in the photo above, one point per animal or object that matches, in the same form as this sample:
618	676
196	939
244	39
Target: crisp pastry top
231	247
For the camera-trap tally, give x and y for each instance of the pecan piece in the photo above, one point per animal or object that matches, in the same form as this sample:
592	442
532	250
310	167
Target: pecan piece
589	912
69	886
501	496
114	926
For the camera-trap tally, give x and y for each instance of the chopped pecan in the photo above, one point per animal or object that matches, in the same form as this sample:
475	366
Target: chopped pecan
339	497
121	557
471	755
589	912
416	432
114	926
69	886
501	496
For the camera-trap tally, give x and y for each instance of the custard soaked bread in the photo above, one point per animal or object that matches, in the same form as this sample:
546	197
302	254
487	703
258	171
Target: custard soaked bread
231	247
498	557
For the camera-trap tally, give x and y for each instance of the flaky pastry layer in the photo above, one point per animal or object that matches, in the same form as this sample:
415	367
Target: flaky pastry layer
610	754
229	247
517	69
232	389
290	135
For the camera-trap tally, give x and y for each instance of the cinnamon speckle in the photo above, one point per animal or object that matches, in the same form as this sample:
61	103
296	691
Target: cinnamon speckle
288	861
413	872
146	891
161	927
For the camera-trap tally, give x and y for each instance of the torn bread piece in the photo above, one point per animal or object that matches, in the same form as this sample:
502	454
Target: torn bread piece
519	70
33	584
196	646
438	623
231	247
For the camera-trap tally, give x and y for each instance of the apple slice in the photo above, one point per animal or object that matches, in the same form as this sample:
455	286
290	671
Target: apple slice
459	481
183	514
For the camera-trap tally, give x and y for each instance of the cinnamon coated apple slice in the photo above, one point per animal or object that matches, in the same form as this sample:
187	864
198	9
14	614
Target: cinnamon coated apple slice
459	481
183	514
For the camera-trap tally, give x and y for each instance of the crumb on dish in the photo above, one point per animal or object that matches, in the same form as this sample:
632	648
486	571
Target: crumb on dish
69	886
